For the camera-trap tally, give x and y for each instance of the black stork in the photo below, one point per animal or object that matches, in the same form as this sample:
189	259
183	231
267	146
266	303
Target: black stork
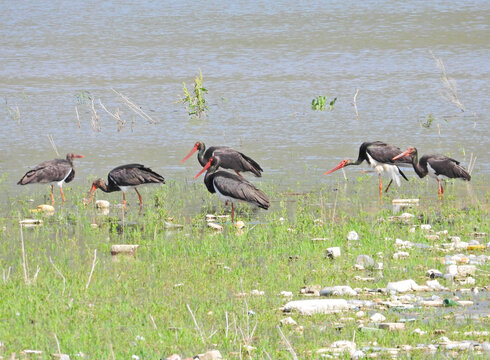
230	158
436	166
125	177
230	187
379	156
57	171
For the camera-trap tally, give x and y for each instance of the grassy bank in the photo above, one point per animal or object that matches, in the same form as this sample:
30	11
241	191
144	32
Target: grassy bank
188	289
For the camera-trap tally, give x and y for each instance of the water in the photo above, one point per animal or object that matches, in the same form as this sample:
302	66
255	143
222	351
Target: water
262	63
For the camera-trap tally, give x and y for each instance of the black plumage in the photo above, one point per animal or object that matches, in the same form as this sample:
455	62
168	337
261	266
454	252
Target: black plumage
125	177
230	187
436	166
57	171
379	155
230	158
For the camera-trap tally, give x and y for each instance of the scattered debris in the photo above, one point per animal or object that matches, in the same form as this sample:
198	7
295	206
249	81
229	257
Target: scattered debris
337	291
333	252
215	226
288	321
405	286
352	236
124	249
364	262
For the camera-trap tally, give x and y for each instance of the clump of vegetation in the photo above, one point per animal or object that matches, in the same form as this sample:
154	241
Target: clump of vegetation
320	103
196	103
429	121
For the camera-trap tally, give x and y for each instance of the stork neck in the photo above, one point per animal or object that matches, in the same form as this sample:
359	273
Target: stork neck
200	155
420	170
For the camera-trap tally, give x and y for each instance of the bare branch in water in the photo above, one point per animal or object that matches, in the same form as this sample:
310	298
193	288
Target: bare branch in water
137	109
450	91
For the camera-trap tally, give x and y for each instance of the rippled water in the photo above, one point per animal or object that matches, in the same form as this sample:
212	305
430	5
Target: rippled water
262	63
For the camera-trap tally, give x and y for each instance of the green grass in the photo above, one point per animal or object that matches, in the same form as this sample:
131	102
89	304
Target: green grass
139	305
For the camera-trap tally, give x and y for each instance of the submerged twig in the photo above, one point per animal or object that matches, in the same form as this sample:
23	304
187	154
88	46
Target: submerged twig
78	116
450	91
116	115
354	103
53	145
137	109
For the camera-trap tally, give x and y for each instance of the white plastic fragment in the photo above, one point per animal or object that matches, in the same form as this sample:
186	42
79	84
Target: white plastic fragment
340	290
333	252
287	293
425	227
405	286
256	292
434	285
317	306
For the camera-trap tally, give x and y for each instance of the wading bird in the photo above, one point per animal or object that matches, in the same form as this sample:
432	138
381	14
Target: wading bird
436	166
123	178
379	156
230	158
230	187
57	171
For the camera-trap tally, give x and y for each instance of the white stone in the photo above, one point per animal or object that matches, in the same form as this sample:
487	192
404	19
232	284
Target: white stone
288	321
337	291
434	285
317	306
404	286
466	270
377	318
256	292
400	255
425	227
287	293
102	204
352	236
452	269
419	332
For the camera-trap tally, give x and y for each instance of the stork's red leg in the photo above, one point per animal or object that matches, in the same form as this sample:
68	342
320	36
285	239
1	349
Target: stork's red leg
441	189
52	196
386	190
232	213
380	186
238	173
124	200
62	195
139	196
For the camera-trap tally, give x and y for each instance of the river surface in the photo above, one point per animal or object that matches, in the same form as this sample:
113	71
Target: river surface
263	62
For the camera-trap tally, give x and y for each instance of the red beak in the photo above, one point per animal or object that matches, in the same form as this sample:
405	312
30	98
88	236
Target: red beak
405	153
78	156
194	149
90	195
204	168
339	166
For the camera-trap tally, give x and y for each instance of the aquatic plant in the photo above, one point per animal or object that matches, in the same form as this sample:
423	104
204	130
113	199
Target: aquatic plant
320	103
196	103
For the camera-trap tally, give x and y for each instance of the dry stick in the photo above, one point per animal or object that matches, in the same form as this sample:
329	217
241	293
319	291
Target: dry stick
91	271
78	116
195	323
116	115
226	319
135	107
24	261
451	90
59	272
112	352
36	274
95	117
288	344
153	322
354	103
57	343
51	140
